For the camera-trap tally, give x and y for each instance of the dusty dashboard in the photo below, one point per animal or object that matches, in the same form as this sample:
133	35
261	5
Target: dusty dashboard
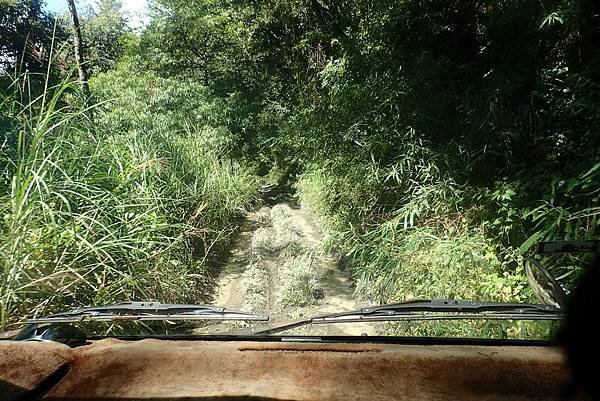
153	369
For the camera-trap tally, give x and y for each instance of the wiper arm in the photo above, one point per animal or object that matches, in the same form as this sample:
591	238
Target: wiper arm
437	309
440	309
149	311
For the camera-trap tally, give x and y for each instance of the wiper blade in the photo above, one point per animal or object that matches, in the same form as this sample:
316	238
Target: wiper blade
437	309
149	311
444	309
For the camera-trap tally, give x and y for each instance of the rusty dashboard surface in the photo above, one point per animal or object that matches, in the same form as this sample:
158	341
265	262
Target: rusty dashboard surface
202	370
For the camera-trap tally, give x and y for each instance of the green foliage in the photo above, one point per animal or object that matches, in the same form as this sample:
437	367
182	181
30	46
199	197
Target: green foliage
104	36
28	35
128	213
31	42
571	208
525	330
437	140
439	256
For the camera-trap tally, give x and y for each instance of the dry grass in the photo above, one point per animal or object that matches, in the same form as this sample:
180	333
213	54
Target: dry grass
299	282
288	238
263	243
263	216
255	284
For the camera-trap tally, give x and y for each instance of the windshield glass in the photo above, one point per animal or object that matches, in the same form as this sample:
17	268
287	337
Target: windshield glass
298	159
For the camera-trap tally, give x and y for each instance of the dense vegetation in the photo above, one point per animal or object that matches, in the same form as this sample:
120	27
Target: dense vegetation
437	140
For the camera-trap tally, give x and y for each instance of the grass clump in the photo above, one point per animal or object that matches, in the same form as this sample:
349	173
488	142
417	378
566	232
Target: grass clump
281	214
277	233
299	282
290	246
263	216
287	235
262	243
255	287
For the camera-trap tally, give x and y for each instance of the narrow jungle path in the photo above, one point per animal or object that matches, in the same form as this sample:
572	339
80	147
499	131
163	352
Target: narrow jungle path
275	267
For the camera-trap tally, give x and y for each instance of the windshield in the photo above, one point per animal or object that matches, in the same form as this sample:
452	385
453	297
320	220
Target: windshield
297	159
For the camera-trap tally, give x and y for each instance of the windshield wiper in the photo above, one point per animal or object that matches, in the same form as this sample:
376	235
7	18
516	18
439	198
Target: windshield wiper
437	309
149	311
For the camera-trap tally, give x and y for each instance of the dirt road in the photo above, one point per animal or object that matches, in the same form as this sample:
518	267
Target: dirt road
276	267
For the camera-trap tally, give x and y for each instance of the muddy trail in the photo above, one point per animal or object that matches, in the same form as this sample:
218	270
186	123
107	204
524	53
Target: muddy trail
276	267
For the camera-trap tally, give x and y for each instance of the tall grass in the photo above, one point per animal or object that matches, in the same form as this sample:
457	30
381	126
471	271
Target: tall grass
439	239
426	247
91	216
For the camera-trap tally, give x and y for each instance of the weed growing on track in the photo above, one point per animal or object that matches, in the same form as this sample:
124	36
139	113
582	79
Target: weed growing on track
255	287
277	241
262	243
277	233
299	282
287	237
263	216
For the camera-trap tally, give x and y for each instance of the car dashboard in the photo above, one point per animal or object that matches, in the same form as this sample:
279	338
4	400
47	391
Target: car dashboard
293	369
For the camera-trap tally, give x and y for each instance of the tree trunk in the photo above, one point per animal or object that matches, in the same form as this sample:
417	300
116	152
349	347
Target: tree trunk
78	49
